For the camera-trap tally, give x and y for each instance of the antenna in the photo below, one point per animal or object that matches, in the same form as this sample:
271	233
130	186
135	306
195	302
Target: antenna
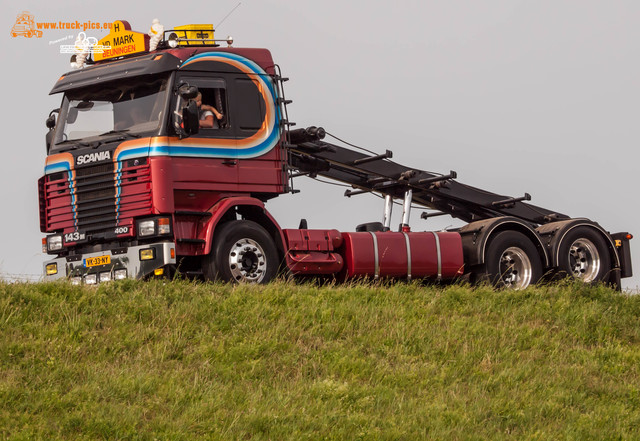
225	17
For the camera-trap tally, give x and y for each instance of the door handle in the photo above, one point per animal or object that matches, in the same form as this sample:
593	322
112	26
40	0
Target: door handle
230	162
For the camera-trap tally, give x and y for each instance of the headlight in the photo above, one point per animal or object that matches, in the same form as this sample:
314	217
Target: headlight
91	279
154	227
54	243
120	274
52	269
105	276
147	254
146	228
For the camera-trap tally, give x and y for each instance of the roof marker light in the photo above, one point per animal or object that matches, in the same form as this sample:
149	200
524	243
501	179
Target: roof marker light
173	40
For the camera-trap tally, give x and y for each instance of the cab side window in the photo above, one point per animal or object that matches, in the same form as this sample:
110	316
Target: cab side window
251	107
213	105
230	105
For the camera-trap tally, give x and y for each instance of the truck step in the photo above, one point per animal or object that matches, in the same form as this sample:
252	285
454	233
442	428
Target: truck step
193	241
192	213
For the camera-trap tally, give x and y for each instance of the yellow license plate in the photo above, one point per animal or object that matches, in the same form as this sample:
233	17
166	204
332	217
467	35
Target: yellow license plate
97	261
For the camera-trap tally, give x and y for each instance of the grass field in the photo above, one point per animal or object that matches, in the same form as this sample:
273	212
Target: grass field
181	361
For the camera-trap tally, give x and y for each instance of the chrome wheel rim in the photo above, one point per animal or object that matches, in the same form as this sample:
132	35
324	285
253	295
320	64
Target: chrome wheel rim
584	260
247	262
516	270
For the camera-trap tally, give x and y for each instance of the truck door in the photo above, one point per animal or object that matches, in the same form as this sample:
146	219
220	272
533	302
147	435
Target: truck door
213	149
239	149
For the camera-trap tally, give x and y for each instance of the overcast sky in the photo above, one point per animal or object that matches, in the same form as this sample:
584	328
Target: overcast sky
516	96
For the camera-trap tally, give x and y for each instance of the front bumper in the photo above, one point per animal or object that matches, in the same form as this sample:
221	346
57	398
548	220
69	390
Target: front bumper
122	262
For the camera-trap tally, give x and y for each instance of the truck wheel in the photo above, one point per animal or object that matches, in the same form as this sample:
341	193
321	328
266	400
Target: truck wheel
583	254
242	251
512	261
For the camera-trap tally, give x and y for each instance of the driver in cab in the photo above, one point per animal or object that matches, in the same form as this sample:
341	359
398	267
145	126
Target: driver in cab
208	115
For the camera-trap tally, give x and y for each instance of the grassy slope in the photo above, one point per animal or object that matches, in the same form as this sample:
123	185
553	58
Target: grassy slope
155	360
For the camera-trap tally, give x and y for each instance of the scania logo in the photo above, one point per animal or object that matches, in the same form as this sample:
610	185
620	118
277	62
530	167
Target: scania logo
93	157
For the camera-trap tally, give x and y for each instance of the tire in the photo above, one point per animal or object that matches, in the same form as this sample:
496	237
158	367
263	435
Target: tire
584	255
511	261
243	252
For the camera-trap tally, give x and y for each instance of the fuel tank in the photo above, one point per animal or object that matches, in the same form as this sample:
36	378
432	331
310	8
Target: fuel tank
412	255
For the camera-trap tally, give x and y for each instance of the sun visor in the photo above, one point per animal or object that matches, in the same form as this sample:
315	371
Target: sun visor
146	65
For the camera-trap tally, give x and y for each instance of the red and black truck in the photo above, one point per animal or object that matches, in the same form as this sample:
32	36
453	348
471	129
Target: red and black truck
135	185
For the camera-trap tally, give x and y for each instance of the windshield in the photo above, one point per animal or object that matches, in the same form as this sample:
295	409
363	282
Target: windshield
91	113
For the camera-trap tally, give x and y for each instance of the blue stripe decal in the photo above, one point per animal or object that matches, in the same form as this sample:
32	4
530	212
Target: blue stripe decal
72	192
66	167
118	190
253	151
250	64
60	166
132	153
119	159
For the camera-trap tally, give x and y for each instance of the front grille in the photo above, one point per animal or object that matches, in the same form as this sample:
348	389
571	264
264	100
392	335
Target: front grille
98	198
94	170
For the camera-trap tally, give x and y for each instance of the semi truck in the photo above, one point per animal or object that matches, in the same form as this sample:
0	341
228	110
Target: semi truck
141	180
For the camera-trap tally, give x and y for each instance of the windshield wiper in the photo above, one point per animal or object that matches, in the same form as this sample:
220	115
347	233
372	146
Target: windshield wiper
120	132
74	145
123	133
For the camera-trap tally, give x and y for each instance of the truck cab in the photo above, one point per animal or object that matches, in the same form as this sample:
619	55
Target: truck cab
131	177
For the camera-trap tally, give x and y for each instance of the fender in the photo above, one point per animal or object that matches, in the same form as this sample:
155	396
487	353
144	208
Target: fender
475	237
222	207
554	233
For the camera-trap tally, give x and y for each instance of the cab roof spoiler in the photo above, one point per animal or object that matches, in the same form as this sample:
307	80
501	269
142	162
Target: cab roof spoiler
150	64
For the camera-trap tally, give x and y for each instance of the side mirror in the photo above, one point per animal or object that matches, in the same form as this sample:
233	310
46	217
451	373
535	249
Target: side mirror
72	115
188	92
85	105
51	122
190	119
